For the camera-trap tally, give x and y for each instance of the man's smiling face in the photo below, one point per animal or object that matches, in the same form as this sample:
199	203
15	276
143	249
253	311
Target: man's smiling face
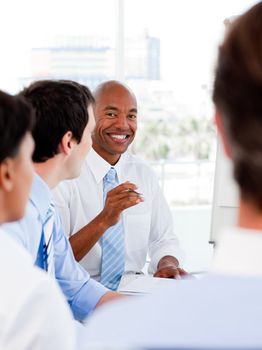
116	121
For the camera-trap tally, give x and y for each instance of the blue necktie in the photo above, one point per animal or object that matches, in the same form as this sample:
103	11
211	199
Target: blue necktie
112	242
45	258
48	234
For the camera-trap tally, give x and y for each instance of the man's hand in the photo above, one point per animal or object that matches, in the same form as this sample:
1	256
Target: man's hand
109	297
119	198
168	267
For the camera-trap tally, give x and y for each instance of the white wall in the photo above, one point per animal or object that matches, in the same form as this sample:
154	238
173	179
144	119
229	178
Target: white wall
225	200
192	226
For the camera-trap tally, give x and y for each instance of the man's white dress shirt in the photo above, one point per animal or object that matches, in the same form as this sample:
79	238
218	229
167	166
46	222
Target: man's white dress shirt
222	310
33	312
148	226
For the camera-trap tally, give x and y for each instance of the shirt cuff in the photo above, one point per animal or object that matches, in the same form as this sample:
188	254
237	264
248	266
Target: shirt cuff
87	298
176	252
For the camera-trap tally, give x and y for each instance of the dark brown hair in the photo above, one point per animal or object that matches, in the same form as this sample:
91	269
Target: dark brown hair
238	97
60	106
16	119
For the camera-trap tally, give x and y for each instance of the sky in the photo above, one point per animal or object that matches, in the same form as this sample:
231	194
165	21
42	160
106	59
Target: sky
189	31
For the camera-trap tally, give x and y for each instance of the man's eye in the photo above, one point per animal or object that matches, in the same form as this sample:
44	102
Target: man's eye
111	114
132	116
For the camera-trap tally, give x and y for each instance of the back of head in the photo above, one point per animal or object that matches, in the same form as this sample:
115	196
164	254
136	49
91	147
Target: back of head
16	119
238	97
60	106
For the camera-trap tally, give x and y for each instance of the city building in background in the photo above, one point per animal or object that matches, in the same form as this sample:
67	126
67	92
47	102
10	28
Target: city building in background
175	136
90	60
142	57
165	51
87	60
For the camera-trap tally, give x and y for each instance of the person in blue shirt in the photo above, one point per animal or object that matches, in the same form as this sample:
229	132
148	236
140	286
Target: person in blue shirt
33	311
62	135
223	310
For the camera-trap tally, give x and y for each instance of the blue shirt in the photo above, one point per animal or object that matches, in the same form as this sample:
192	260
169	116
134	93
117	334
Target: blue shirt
81	291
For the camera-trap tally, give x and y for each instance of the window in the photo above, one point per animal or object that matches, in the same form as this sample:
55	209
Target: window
165	50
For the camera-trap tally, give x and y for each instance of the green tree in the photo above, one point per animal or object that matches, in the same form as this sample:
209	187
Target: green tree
194	137
191	137
153	140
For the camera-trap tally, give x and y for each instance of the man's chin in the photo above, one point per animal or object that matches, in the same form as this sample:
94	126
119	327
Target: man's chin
119	147
118	150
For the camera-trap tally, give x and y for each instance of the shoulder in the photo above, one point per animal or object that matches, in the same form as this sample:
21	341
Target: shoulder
18	273
16	257
30	301
17	270
21	230
138	163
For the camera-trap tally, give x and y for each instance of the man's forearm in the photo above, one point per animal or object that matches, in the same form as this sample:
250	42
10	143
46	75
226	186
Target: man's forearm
84	240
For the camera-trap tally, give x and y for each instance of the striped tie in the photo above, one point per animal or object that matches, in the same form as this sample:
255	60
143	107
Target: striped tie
48	248
112	242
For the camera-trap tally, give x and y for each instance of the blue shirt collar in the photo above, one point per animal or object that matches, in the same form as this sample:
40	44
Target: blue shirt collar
40	196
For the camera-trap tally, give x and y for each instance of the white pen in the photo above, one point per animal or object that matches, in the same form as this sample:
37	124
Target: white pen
130	190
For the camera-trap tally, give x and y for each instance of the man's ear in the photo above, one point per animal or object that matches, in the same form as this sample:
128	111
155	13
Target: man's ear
67	143
222	134
7	174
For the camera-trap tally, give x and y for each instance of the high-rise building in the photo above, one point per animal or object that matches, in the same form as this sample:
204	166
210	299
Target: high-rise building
75	58
142	58
90	60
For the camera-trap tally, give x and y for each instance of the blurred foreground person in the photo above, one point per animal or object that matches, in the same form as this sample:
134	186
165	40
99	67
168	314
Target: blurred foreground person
33	311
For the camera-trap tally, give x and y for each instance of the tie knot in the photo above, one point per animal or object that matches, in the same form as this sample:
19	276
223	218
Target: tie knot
50	212
111	176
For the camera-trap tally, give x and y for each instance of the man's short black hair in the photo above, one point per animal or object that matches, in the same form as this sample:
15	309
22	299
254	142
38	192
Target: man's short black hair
16	119
60	106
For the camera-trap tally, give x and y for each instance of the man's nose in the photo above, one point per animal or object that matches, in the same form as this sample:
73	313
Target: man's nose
121	122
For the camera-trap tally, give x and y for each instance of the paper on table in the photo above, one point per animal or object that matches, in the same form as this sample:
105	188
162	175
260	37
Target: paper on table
145	284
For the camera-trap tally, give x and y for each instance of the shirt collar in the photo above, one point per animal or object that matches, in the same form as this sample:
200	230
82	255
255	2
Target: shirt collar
100	167
40	196
238	252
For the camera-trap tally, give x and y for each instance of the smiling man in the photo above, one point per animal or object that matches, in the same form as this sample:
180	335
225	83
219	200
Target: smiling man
115	213
223	309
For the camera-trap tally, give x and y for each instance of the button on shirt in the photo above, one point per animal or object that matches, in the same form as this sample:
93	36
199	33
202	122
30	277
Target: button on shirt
148	226
33	312
81	291
222	310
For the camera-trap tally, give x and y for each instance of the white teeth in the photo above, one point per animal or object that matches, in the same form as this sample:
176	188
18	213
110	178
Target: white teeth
120	137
